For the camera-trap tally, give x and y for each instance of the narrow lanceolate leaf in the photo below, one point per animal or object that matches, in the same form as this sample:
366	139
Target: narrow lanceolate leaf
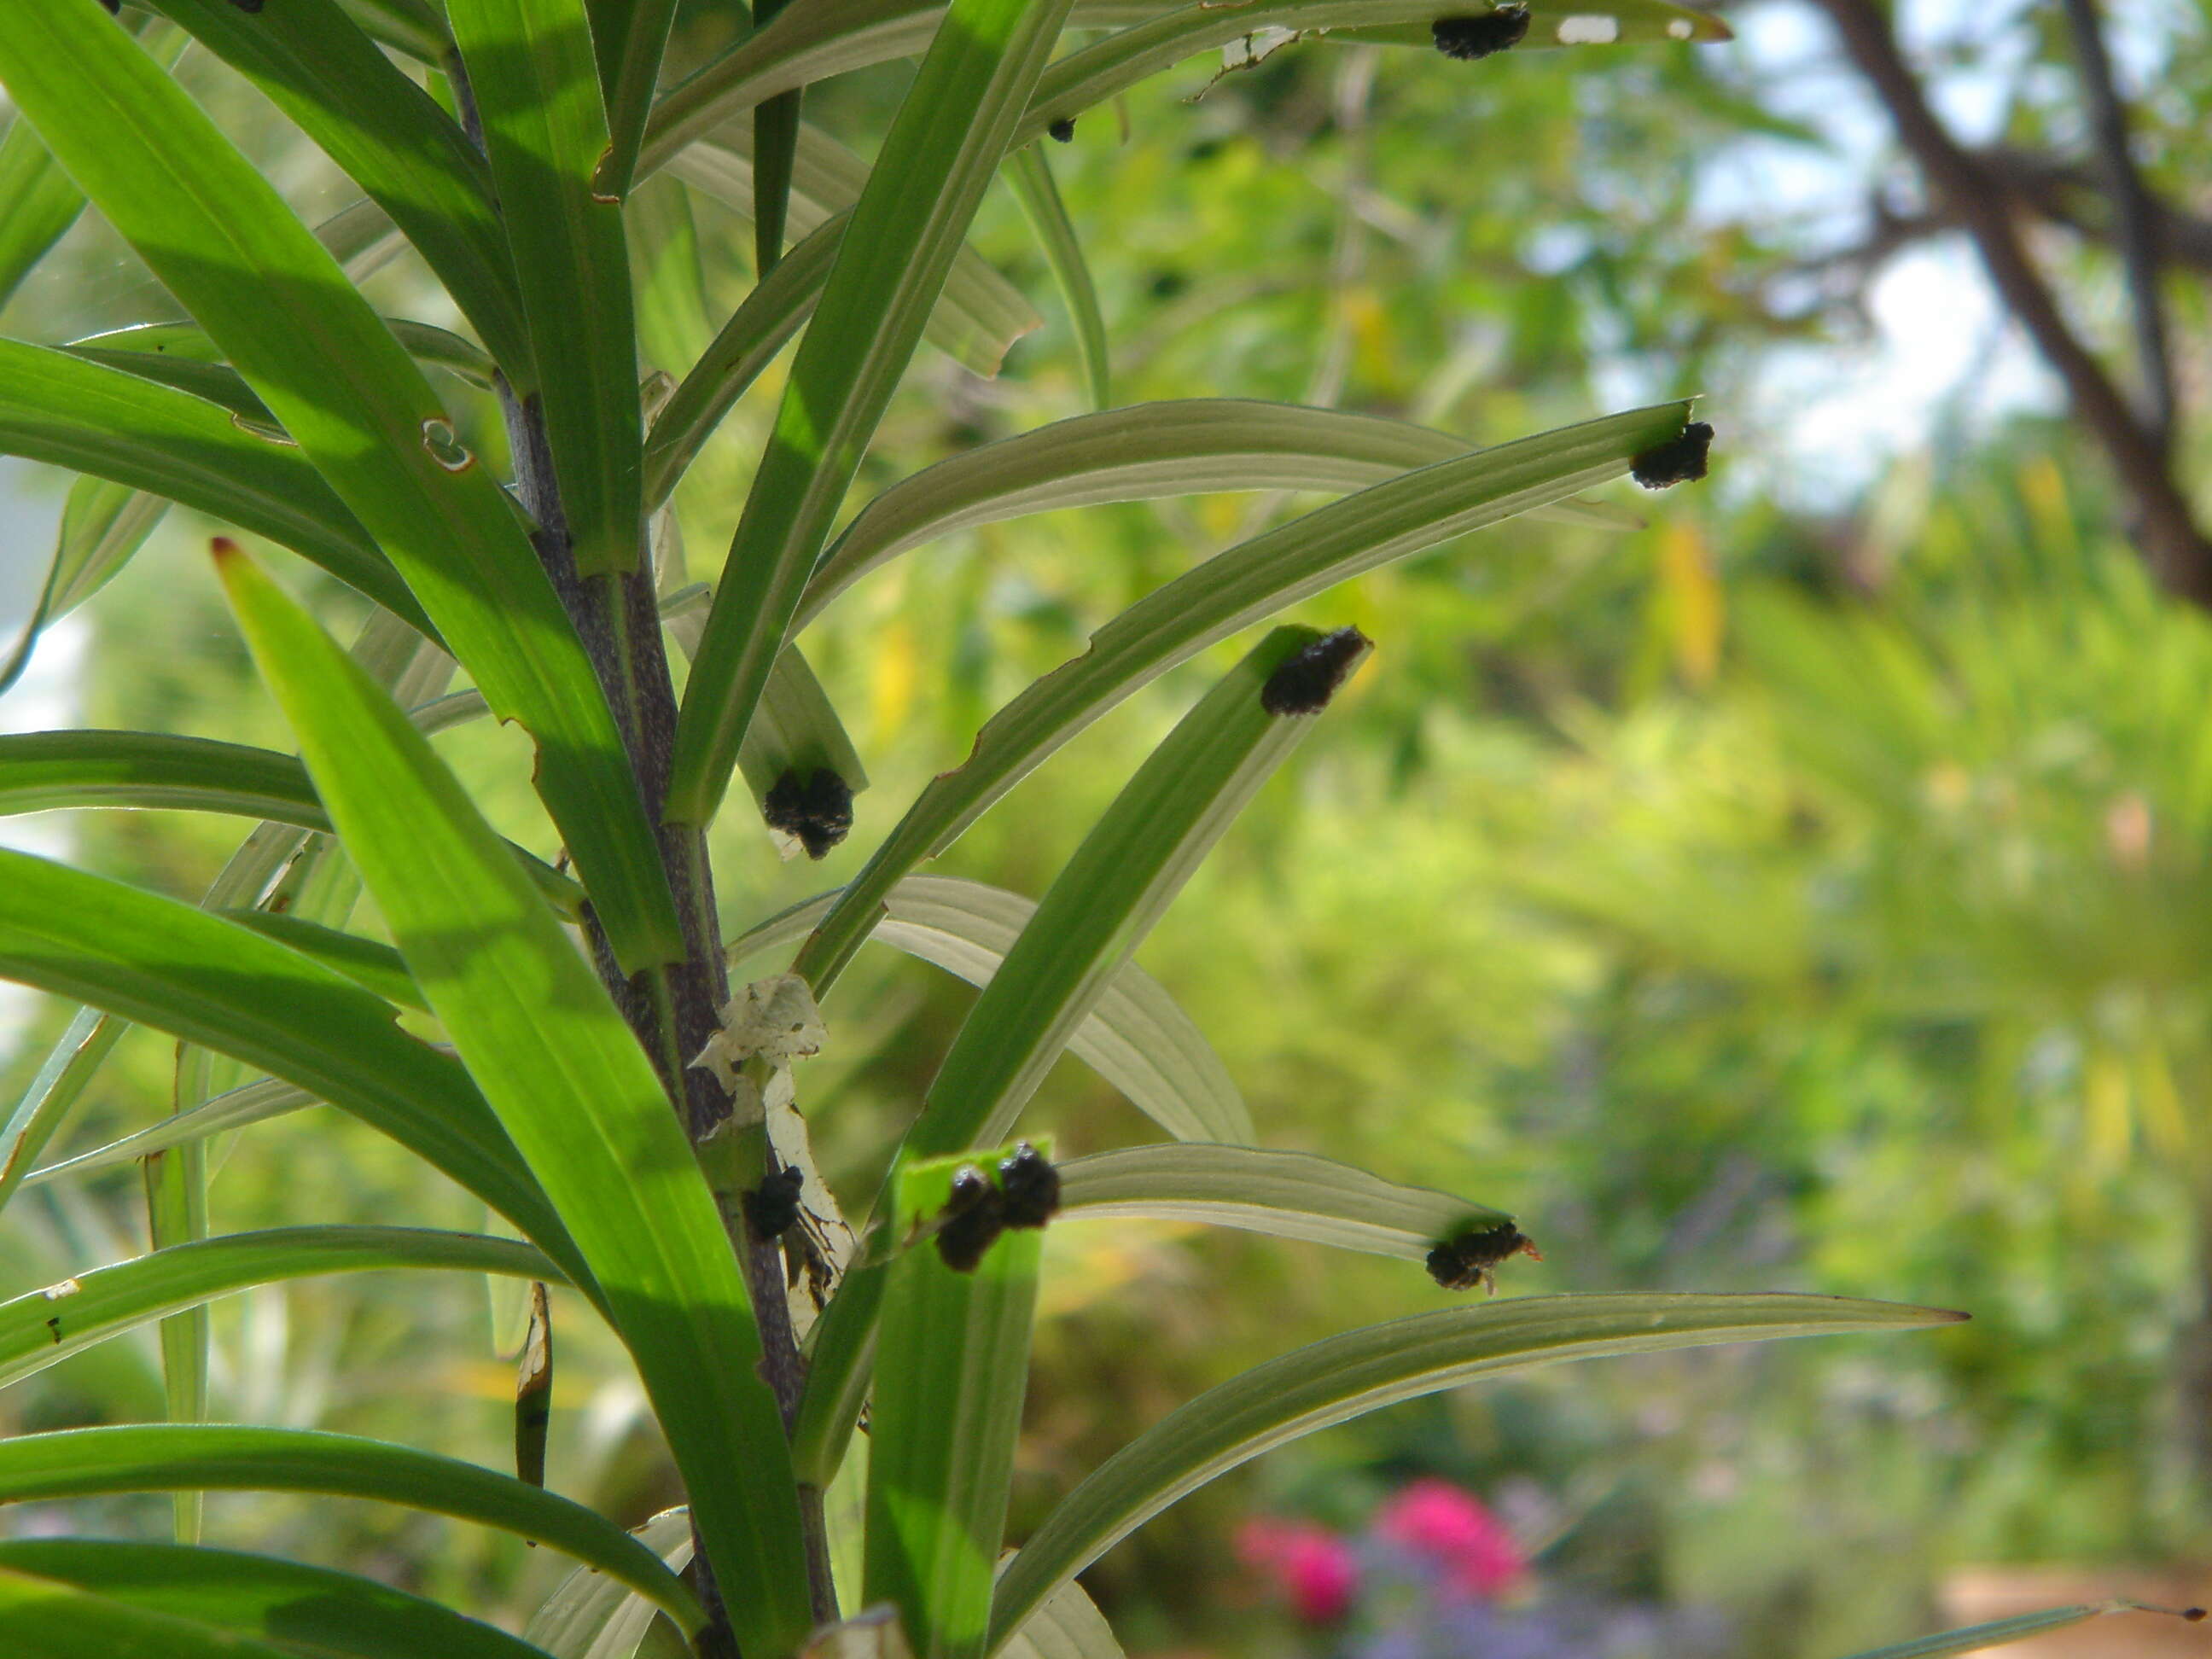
1346	1375
1068	1626
223	1457
758	330
978	314
576	1093
54	1092
1290	1194
1121	880
796	728
591	1616
255	1103
38	204
45	1326
260	1597
1136	1037
58	408
40	771
276	303
1083	79
956	1342
212	982
636	59
943	148
102	524
537	85
40	1618
388	134
1409	514
374	967
1974	1638
1188	446
813	42
1031	175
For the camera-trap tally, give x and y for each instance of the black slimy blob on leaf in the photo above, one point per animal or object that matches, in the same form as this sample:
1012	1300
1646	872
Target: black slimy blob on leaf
772	1207
1062	130
1679	460
1304	683
1030	1187
1478	35
1472	1258
816	808
973	1218
114	6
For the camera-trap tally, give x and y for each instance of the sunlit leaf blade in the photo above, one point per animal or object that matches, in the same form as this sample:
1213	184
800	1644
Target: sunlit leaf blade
1031	175
1099	909
45	1326
1975	1638
256	1102
38	204
1254	580
41	1619
536	83
978	315
939	157
225	1457
210	982
592	1616
948	1409
54	1092
268	293
577	1094
186	345
1361	1370
1290	1194
323	1613
1186	446
60	409
1136	1037
385	132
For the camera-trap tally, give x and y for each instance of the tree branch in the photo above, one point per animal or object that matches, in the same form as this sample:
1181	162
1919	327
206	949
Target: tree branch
2138	242
2165	529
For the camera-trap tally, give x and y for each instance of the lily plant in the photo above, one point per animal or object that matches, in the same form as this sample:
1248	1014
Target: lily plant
561	1036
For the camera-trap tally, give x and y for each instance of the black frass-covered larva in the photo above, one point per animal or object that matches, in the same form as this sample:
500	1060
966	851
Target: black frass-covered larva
973	1218
1478	35
1304	684
1062	130
772	1207
1679	460
1472	1257
1029	1185
817	808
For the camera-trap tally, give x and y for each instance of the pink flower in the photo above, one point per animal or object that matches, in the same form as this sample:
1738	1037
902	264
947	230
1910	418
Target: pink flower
1450	1529
1308	1564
